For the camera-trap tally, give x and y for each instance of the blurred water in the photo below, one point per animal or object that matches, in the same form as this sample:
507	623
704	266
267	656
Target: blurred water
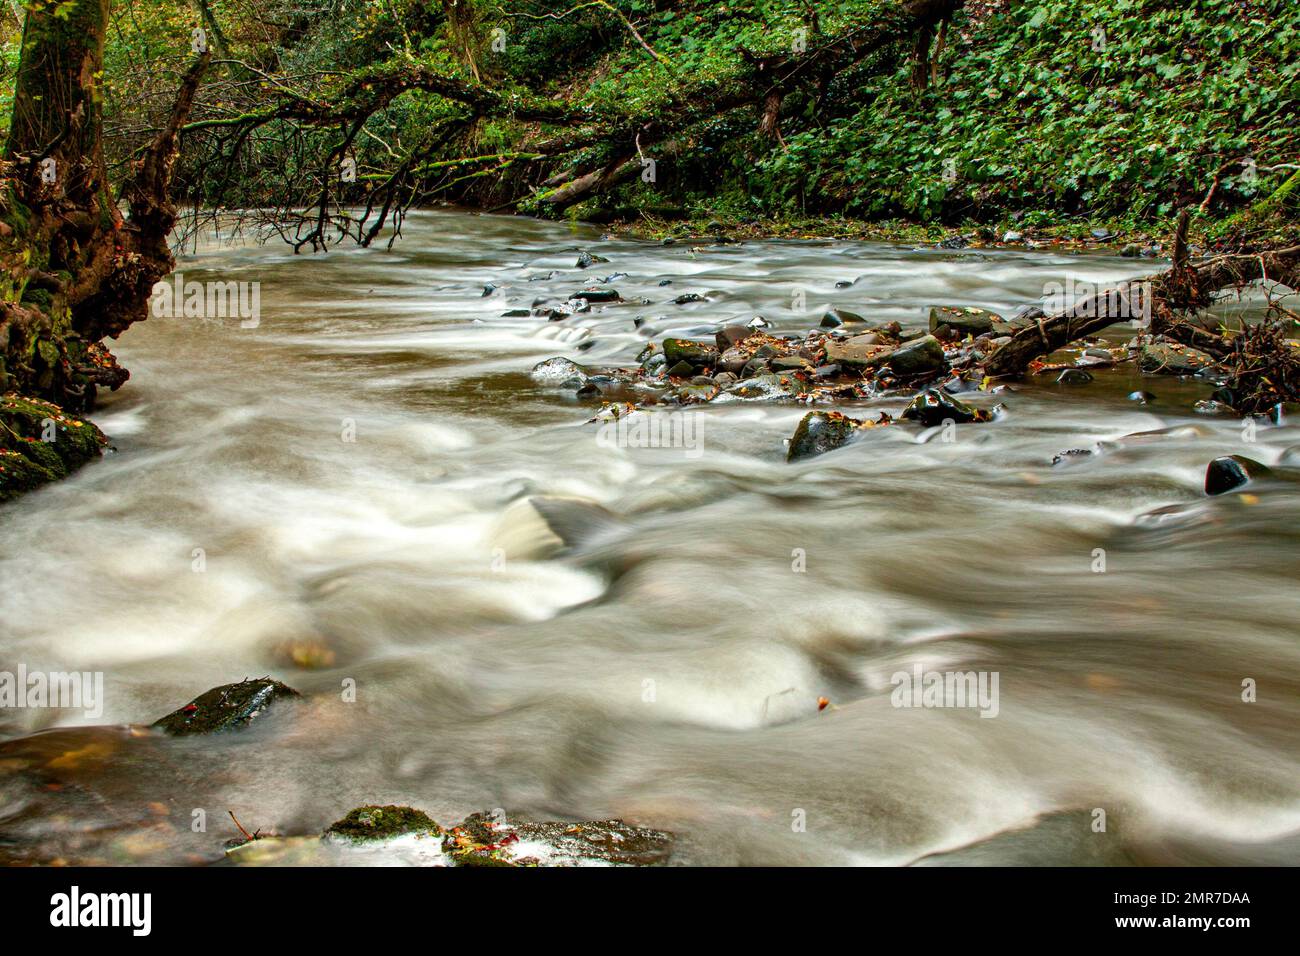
666	667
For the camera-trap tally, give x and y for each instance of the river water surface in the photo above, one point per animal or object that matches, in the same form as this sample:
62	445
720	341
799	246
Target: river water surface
339	498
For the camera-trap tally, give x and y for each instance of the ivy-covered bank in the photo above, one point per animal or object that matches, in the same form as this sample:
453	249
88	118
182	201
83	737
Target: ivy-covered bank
896	118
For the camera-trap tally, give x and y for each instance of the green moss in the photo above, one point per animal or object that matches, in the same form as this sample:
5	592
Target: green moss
41	443
383	823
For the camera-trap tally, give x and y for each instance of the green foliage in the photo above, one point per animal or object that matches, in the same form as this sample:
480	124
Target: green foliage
1038	111
1033	113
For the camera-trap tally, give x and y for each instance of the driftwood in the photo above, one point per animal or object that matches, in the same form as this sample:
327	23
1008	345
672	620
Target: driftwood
1161	303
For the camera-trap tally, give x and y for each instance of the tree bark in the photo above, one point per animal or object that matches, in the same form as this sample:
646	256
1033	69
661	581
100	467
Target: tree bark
73	269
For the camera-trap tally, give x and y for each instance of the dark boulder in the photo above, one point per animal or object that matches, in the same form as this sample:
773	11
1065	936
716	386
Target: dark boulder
923	356
935	406
1231	472
820	432
597	295
226	708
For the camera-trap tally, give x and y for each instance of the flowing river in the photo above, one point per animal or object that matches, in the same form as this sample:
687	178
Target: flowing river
338	497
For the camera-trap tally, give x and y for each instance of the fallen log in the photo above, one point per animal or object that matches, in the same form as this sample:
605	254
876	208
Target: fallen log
1161	303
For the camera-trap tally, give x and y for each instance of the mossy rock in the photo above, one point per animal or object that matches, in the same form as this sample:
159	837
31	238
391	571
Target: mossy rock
228	707
52	443
696	354
819	432
383	823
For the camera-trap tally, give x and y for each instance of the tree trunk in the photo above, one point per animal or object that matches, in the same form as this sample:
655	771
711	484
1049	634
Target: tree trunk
73	269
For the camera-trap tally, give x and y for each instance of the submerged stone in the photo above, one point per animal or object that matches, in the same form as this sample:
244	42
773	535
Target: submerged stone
1231	472
228	707
1074	376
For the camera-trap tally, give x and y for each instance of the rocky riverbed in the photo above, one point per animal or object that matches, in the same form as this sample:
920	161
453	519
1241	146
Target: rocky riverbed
424	494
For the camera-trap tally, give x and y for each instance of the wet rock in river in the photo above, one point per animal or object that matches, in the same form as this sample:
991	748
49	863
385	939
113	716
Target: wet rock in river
946	322
924	356
597	295
820	432
587	259
769	386
935	406
1231	472
857	352
383	823
1282	412
226	708
688	297
681	369
732	335
697	354
693	394
482	841
826	372
1074	376
1172	359
1208	406
1142	398
837	317
559	371
734	360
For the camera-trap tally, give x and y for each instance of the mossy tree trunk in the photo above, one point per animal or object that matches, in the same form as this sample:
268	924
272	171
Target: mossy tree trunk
73	268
